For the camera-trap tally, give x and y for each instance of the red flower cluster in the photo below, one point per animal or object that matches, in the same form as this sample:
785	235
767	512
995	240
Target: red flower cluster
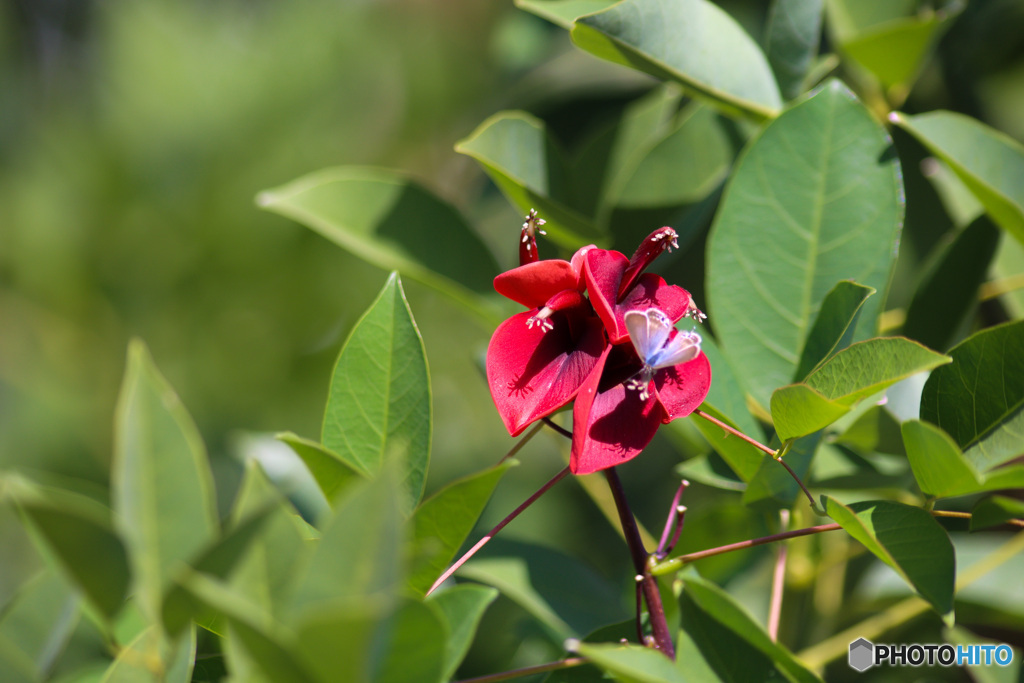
574	342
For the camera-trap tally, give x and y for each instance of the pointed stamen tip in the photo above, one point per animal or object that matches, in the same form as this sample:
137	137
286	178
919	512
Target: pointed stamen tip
571	644
638	578
681	509
684	483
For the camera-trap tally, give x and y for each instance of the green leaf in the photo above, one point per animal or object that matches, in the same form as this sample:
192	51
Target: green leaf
82	537
683	166
876	430
833	327
939	467
995	510
358	555
460	607
441	524
909	540
563	12
393	223
848	18
1011	673
773	487
692	42
135	662
979	399
948	293
526	165
815	199
792	37
798	410
163	497
894	51
867	367
730	640
378	406
631	663
990	163
37	625
332	474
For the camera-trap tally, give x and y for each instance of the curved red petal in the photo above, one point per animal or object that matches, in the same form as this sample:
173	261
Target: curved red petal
610	427
662	239
602	272
532	372
681	388
534	283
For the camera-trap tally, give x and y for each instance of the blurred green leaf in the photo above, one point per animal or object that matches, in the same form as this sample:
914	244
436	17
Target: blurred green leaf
995	510
990	163
798	410
833	327
163	496
332	473
949	292
563	12
693	42
792	37
441	524
909	540
815	199
1011	673
527	166
876	430
730	640
81	534
941	469
461	608
848	18
359	554
379	403
632	663
150	658
979	399
894	51
393	223
773	487
36	626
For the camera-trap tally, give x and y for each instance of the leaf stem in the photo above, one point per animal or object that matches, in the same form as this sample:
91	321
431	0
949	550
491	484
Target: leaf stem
731	430
522	442
649	585
566	663
501	525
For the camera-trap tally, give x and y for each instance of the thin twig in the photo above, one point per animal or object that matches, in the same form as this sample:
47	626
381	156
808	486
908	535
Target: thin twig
731	430
673	523
677	563
778	583
557	427
655	610
566	663
967	515
501	525
522	442
810	498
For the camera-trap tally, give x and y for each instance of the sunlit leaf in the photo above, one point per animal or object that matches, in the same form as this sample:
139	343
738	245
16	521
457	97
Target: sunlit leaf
693	42
941	469
815	199
379	404
909	540
833	327
979	399
894	51
632	663
331	472
798	410
162	495
792	37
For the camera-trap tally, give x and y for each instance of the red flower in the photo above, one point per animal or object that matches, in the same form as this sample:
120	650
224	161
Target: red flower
570	346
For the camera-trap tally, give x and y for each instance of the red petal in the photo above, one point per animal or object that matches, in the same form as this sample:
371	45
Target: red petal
681	388
612	426
533	373
533	284
604	272
662	239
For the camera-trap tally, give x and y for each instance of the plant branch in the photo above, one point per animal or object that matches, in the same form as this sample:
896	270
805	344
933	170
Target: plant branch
778	583
967	515
566	663
736	432
814	506
501	525
522	442
655	610
677	563
557	427
673	524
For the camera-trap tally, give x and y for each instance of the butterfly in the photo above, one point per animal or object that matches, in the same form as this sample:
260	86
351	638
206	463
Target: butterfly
650	331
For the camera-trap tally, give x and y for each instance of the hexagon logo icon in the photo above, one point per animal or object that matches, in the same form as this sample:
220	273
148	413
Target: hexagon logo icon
862	654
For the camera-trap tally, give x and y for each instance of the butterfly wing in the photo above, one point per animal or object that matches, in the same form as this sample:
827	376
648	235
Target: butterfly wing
648	330
683	347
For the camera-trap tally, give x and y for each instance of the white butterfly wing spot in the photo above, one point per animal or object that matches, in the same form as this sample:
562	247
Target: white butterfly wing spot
682	348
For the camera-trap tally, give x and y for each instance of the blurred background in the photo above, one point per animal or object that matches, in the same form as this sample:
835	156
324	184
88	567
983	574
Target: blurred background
134	135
